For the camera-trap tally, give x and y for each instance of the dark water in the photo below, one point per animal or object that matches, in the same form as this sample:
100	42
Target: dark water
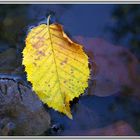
90	20
92	112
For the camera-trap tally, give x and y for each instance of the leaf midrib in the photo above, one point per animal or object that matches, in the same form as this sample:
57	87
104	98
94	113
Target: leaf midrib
56	65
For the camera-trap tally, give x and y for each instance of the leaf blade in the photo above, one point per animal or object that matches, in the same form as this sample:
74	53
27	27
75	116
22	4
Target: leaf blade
58	73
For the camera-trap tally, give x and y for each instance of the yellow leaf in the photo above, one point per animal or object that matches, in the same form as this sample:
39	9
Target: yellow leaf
56	66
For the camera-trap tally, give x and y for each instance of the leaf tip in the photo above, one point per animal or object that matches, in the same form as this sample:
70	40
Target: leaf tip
69	115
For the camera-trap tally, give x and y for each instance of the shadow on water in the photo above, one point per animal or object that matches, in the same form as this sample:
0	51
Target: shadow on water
92	112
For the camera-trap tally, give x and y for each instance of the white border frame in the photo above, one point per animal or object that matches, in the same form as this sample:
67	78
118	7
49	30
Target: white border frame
70	2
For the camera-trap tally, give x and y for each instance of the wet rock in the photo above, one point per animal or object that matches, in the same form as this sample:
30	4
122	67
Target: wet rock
11	63
115	66
4	46
20	71
8	61
21	112
120	128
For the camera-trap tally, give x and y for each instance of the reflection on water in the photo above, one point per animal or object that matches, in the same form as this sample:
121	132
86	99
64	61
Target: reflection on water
92	113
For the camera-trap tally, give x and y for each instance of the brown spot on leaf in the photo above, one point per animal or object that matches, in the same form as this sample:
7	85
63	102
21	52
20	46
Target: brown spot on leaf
38	58
34	63
41	53
64	61
37	45
72	71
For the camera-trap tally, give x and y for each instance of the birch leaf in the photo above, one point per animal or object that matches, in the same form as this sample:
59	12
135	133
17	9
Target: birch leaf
56	66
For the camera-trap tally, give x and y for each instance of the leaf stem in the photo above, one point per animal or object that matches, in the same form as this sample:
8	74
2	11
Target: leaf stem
48	20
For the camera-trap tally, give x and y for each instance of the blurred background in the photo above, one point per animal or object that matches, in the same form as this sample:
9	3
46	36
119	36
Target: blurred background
118	24
111	35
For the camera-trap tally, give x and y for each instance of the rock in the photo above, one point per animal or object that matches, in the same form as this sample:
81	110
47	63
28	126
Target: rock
21	112
120	128
11	63
4	46
20	71
115	66
8	61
